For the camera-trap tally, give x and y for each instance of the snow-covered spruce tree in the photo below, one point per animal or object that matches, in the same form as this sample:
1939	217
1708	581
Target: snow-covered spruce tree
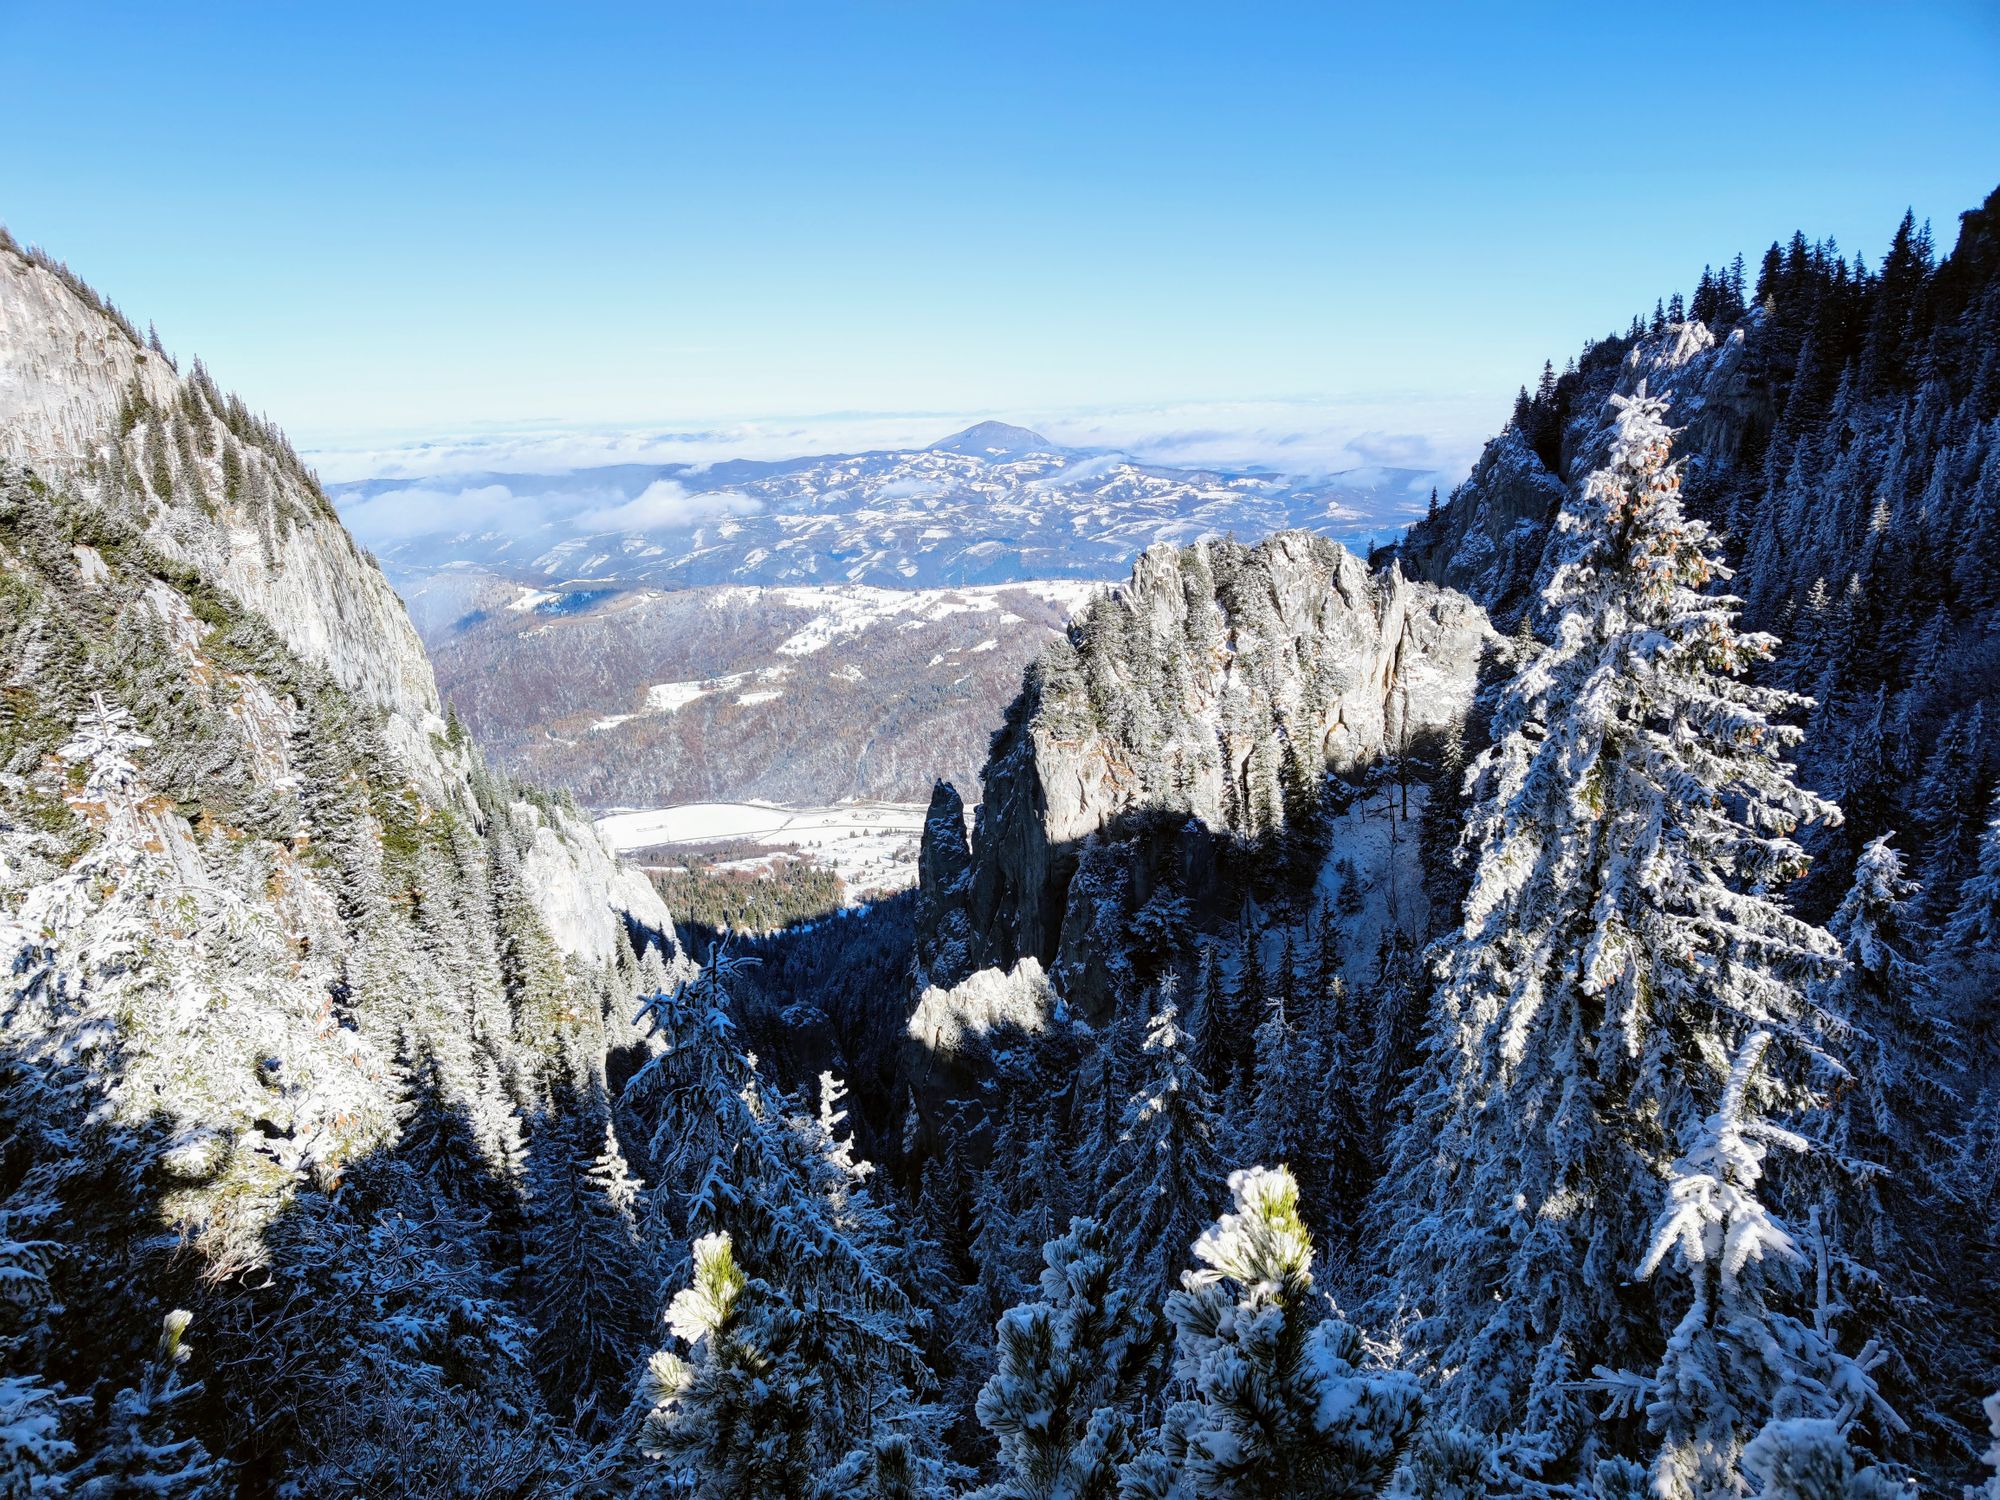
891	1467
741	1416
1975	921
734	1415
1280	1077
689	1097
33	1451
1069	1368
1807	1458
1281	1404
141	1453
1000	1250
584	1260
1159	1183
1631	821
1736	1361
1878	1209
730	1156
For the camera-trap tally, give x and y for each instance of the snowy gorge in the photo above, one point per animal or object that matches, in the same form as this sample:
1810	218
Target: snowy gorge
1511	1015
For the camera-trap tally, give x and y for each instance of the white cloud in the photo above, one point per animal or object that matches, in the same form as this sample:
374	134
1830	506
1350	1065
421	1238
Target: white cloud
666	506
1394	450
561	450
446	489
401	515
1082	471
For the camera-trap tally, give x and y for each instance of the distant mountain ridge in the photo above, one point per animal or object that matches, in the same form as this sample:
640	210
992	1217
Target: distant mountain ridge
996	439
992	504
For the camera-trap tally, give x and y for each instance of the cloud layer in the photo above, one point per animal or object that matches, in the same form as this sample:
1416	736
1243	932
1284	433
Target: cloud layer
409	513
451	489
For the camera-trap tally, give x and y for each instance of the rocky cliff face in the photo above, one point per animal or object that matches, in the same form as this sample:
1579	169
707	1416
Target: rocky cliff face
944	892
72	381
268	924
1488	542
85	406
1186	724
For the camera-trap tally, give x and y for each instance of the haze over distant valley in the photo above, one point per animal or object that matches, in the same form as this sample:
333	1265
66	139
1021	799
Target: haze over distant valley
796	631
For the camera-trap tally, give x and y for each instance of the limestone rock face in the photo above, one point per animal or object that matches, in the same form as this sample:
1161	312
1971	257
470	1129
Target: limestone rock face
248	870
1195	711
244	515
1488	542
944	892
581	890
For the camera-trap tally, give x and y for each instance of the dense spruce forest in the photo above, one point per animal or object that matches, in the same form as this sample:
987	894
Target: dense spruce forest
1511	1016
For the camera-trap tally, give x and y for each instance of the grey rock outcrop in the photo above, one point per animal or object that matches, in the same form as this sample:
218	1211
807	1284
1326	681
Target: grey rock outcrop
1196	710
944	892
1488	542
251	521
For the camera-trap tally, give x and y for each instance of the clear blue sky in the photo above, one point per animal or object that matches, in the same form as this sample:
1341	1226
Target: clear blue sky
413	218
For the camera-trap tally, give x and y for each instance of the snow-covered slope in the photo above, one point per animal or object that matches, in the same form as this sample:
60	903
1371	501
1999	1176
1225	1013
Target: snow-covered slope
993	504
267	922
805	695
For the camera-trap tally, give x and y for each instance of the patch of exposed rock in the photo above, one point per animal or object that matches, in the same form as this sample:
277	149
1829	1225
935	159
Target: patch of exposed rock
944	892
217	490
1489	540
1184	723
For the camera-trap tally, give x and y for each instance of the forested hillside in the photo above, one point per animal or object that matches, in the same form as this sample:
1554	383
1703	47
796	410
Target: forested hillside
1839	431
1641	1097
308	1023
647	698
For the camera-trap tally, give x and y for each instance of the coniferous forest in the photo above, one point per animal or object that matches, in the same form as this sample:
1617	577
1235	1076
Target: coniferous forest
1514	1015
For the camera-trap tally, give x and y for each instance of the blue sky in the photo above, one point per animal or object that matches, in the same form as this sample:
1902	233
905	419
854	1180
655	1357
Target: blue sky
389	222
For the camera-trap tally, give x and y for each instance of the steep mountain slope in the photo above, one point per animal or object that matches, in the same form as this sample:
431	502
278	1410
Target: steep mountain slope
290	985
1161	752
1844	431
638	697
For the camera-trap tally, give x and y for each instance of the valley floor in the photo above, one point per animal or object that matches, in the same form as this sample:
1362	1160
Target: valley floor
872	846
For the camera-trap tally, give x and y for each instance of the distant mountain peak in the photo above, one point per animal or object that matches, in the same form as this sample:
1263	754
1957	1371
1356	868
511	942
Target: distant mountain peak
995	440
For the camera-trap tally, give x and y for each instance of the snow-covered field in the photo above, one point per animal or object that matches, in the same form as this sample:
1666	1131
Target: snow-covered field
872	845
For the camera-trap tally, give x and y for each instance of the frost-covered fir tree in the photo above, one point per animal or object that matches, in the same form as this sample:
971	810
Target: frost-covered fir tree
1975	921
1282	1403
584	1259
33	1451
1808	1459
143	1451
1737	1359
690	1094
1879	1125
733	1414
1280	1082
741	1159
1631	821
1159	1184
1070	1367
743	1414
